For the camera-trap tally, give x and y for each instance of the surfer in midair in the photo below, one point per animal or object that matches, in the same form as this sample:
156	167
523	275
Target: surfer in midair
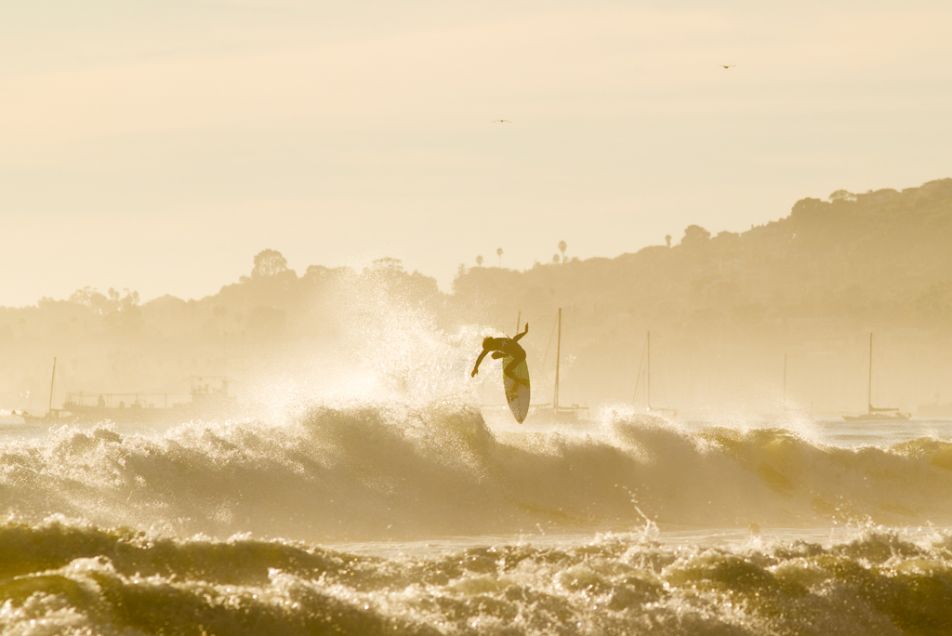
501	348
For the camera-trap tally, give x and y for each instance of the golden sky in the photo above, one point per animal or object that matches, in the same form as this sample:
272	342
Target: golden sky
159	145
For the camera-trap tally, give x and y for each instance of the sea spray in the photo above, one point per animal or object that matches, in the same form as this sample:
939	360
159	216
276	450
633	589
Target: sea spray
378	472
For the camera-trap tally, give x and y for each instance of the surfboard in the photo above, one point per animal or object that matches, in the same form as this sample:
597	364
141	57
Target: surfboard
517	393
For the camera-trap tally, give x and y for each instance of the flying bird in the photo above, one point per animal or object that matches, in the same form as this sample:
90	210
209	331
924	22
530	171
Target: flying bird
727	66
501	121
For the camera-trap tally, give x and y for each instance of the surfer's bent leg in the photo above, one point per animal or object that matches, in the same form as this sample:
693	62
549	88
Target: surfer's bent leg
510	368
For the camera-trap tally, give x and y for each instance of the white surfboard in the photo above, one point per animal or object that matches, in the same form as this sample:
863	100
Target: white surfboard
517	393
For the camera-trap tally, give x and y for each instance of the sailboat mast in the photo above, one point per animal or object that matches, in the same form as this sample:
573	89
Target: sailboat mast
869	383
648	369
558	359
49	406
783	399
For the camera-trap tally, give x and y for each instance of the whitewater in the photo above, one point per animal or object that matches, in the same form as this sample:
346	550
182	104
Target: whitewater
390	518
385	497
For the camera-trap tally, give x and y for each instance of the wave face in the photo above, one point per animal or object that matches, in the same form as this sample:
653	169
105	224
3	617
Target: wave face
77	580
376	473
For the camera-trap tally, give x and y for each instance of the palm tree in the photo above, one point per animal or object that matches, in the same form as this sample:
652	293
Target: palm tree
667	240
479	260
499	254
562	247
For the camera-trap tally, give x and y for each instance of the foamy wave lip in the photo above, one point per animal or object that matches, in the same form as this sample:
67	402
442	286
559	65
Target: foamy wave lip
399	471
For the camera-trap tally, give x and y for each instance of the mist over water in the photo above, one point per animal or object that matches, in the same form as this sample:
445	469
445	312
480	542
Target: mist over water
391	495
740	355
362	482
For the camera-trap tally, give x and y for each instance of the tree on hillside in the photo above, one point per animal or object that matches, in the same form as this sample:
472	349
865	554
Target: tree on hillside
479	260
103	304
123	300
667	240
499	255
388	263
269	263
695	235
562	247
842	195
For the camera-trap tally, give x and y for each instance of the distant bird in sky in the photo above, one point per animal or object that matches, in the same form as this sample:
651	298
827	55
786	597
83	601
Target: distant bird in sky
727	66
501	121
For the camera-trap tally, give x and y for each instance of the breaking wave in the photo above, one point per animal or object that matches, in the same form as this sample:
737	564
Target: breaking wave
69	579
380	473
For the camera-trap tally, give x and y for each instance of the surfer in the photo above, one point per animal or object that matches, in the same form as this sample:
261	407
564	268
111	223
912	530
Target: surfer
503	348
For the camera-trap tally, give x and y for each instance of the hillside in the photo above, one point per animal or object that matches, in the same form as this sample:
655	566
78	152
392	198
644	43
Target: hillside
724	309
868	258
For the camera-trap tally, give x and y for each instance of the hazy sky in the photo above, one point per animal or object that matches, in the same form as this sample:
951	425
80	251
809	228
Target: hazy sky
158	145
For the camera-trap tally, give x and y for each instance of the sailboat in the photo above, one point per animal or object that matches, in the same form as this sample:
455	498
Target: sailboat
209	397
645	372
52	415
557	411
875	413
788	407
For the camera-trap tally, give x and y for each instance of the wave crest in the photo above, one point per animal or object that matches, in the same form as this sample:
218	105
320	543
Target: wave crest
401	473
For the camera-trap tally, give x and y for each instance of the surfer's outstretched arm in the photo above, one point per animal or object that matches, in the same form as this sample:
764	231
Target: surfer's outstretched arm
478	361
520	335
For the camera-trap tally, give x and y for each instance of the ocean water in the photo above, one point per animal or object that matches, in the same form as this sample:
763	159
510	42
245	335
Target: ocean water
391	519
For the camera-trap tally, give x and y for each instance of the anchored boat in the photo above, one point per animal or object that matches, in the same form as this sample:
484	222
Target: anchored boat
875	413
